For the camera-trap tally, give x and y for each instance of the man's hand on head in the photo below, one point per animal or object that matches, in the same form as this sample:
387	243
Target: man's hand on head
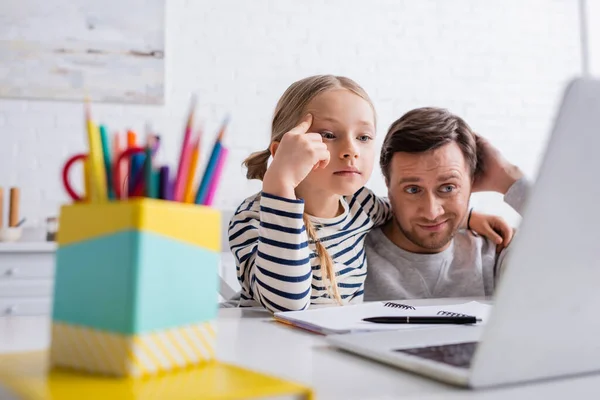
495	173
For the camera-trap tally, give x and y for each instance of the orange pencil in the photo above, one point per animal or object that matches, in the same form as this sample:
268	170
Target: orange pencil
131	139
128	176
191	176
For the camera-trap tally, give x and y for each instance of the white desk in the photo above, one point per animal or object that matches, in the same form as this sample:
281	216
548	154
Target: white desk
250	338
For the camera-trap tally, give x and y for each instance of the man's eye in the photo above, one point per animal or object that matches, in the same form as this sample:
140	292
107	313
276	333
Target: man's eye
327	135
412	190
448	188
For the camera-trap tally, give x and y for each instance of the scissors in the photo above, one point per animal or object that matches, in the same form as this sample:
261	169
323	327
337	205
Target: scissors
82	157
65	176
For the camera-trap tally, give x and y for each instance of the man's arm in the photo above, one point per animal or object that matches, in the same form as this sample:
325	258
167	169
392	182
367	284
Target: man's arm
497	174
516	197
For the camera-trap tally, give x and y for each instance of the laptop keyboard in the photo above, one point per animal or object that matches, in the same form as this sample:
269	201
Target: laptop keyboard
458	355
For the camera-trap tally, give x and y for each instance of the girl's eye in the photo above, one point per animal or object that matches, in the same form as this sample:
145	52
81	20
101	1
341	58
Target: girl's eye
448	188
327	135
365	138
412	190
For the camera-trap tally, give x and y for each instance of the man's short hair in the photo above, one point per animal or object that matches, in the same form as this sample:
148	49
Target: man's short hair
428	128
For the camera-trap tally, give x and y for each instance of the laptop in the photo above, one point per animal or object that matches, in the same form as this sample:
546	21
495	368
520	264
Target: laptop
544	323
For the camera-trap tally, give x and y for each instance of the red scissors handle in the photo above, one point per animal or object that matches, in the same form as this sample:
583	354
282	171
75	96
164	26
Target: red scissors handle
116	176
65	176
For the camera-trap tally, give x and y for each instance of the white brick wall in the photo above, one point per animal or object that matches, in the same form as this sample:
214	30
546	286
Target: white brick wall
499	64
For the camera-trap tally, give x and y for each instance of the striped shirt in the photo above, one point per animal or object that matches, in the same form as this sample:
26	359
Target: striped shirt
276	263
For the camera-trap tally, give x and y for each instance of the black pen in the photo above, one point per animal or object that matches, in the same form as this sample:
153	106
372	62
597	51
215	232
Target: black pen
423	320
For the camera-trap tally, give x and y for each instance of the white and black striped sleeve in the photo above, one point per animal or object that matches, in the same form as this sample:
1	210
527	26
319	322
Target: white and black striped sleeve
377	208
269	242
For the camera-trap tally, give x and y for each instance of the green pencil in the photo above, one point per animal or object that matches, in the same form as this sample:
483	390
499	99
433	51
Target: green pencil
107	163
150	184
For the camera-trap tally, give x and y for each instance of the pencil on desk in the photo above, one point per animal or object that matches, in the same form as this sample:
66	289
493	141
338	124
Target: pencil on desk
184	157
13	213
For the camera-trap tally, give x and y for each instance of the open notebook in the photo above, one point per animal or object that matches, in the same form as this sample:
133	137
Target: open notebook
348	319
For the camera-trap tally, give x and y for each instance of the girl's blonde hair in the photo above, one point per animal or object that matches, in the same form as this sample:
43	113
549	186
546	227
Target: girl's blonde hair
289	111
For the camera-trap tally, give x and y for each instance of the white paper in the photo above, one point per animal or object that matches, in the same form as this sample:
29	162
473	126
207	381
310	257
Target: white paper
349	319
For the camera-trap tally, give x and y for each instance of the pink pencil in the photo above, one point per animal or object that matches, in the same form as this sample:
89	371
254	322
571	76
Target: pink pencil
184	158
121	172
214	183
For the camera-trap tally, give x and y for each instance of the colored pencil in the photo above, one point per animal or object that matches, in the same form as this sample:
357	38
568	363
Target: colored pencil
149	184
210	166
184	158
214	182
191	175
96	162
138	180
107	163
208	173
136	174
120	171
164	183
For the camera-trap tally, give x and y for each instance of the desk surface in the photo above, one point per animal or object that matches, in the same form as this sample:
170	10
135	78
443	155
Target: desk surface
250	338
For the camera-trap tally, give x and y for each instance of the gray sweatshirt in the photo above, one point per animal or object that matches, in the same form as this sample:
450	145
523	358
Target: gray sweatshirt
469	267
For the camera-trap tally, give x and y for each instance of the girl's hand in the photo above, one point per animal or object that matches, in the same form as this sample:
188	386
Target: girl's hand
298	153
492	227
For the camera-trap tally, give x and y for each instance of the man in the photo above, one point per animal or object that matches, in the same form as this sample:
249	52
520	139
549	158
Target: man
432	162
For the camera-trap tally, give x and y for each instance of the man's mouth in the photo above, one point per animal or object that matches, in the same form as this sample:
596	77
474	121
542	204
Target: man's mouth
434	227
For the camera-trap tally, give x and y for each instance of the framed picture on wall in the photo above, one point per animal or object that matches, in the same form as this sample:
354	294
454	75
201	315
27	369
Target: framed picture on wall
107	51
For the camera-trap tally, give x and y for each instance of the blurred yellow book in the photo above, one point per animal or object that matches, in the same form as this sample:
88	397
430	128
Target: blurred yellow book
28	376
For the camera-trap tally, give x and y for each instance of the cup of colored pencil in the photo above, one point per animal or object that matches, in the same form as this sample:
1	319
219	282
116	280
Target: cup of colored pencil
120	167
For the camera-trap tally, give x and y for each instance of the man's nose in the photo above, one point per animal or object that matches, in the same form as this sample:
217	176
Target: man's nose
349	149
432	207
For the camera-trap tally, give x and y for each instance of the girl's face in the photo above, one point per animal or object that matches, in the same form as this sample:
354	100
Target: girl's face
347	124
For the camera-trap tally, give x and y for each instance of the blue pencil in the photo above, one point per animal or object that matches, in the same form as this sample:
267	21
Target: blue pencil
136	171
208	174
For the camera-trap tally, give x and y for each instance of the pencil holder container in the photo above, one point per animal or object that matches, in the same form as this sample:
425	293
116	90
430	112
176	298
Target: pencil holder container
136	286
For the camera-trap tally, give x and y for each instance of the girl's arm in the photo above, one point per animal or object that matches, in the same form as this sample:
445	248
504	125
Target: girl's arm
270	246
377	208
492	227
269	242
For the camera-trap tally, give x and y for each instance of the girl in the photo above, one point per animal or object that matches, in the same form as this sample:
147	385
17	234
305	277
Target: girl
300	241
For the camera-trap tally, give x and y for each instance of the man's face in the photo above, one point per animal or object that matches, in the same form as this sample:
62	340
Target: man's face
430	194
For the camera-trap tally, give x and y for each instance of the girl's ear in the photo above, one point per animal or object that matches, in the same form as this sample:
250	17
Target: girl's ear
273	148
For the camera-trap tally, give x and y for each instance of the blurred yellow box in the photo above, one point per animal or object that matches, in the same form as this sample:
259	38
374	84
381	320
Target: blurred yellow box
136	286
